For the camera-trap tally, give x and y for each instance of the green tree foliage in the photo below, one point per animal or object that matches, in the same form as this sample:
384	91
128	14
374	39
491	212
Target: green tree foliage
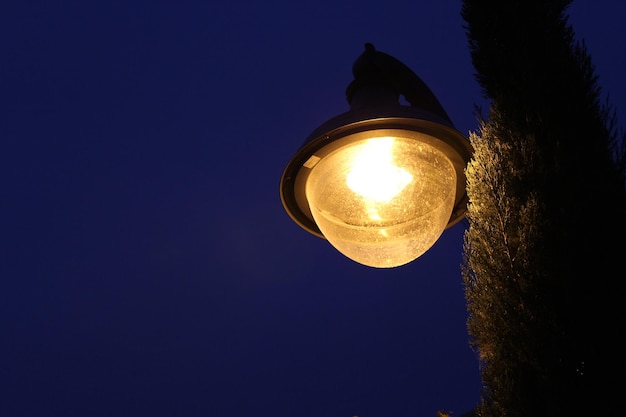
544	250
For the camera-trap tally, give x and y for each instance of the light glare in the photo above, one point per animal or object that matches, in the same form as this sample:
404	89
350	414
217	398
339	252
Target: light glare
373	174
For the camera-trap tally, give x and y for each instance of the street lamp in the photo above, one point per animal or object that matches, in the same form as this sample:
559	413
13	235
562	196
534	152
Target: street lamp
382	181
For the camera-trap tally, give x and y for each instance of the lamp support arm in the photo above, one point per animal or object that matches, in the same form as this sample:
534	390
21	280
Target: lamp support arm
377	68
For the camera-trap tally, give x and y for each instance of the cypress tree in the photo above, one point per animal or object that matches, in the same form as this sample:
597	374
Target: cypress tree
547	224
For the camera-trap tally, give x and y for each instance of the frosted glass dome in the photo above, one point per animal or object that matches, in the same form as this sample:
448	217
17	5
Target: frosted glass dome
382	201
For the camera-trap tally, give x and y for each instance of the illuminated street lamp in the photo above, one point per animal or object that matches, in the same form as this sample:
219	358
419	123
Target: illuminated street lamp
382	181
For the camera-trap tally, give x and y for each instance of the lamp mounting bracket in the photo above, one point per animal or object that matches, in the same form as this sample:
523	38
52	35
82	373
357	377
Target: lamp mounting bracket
373	67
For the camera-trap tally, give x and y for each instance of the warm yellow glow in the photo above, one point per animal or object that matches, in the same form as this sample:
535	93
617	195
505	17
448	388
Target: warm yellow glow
382	201
373	174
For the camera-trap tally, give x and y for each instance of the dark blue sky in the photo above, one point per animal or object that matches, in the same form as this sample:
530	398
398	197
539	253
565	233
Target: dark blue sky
148	267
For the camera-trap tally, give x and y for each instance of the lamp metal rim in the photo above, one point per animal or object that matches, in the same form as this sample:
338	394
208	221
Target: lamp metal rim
445	138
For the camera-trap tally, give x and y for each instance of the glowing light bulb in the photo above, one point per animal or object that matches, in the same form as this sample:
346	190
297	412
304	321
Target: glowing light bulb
373	174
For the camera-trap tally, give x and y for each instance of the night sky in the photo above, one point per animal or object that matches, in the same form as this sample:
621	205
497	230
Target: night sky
148	267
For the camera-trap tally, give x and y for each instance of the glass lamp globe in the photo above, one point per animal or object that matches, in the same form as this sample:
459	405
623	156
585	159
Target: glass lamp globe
382	201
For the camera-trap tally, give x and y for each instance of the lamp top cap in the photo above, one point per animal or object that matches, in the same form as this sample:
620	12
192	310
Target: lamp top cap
375	67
